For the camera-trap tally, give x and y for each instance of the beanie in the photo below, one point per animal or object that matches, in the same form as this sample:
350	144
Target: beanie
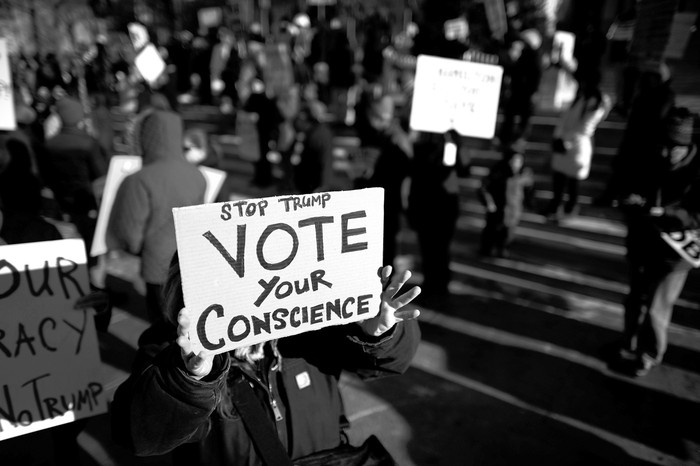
70	111
679	127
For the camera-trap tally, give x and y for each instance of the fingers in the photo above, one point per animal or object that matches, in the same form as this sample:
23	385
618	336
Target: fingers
406	314
407	297
385	275
397	282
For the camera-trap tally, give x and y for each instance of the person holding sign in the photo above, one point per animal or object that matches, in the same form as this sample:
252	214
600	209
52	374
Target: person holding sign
664	197
199	404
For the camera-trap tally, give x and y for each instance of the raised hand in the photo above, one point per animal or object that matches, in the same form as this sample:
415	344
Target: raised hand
393	308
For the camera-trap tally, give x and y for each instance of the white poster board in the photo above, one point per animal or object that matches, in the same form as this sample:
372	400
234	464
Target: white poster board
686	244
49	355
149	63
454	94
121	166
260	269
8	121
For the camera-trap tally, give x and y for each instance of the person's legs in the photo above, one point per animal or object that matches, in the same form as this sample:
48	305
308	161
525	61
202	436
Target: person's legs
667	286
572	191
636	306
488	234
558	184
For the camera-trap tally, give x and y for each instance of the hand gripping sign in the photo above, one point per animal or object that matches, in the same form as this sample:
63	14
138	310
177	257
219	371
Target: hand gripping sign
261	269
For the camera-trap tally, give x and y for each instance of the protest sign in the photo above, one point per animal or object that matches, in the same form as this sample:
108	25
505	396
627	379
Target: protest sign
49	355
260	269
8	121
121	166
454	94
149	63
686	244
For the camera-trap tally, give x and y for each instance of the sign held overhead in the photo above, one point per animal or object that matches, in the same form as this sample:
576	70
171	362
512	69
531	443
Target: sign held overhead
454	94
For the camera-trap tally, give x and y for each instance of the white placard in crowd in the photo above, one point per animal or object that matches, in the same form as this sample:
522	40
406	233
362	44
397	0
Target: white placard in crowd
49	354
121	166
260	269
686	244
454	94
138	35
149	63
209	17
8	121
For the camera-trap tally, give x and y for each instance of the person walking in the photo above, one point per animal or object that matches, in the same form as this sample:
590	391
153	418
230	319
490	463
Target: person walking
573	147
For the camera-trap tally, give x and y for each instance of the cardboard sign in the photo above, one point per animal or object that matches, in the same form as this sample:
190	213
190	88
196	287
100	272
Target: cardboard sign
8	121
454	94
261	269
121	166
49	355
686	244
149	63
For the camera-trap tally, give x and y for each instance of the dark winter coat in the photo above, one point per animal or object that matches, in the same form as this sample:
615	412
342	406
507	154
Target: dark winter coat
141	221
160	407
73	160
677	190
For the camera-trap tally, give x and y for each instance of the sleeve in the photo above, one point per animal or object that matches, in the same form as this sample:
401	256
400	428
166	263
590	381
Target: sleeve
346	347
686	214
127	222
389	354
159	407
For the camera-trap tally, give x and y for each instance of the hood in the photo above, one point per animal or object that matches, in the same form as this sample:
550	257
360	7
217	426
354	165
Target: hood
161	137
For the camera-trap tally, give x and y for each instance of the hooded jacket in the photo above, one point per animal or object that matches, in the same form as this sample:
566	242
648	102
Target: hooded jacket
141	221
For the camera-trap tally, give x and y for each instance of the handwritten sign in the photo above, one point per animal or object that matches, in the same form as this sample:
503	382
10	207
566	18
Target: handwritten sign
121	166
454	94
686	244
49	355
7	103
260	269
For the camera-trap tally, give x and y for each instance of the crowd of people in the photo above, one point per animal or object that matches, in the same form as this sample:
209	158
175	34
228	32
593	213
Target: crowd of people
295	82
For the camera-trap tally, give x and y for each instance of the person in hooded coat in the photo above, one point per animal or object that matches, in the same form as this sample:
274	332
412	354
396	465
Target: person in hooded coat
141	222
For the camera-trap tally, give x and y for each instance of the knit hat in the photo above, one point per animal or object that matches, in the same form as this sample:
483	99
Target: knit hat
679	127
70	111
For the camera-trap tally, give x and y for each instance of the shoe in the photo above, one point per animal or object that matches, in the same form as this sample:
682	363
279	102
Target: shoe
643	365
